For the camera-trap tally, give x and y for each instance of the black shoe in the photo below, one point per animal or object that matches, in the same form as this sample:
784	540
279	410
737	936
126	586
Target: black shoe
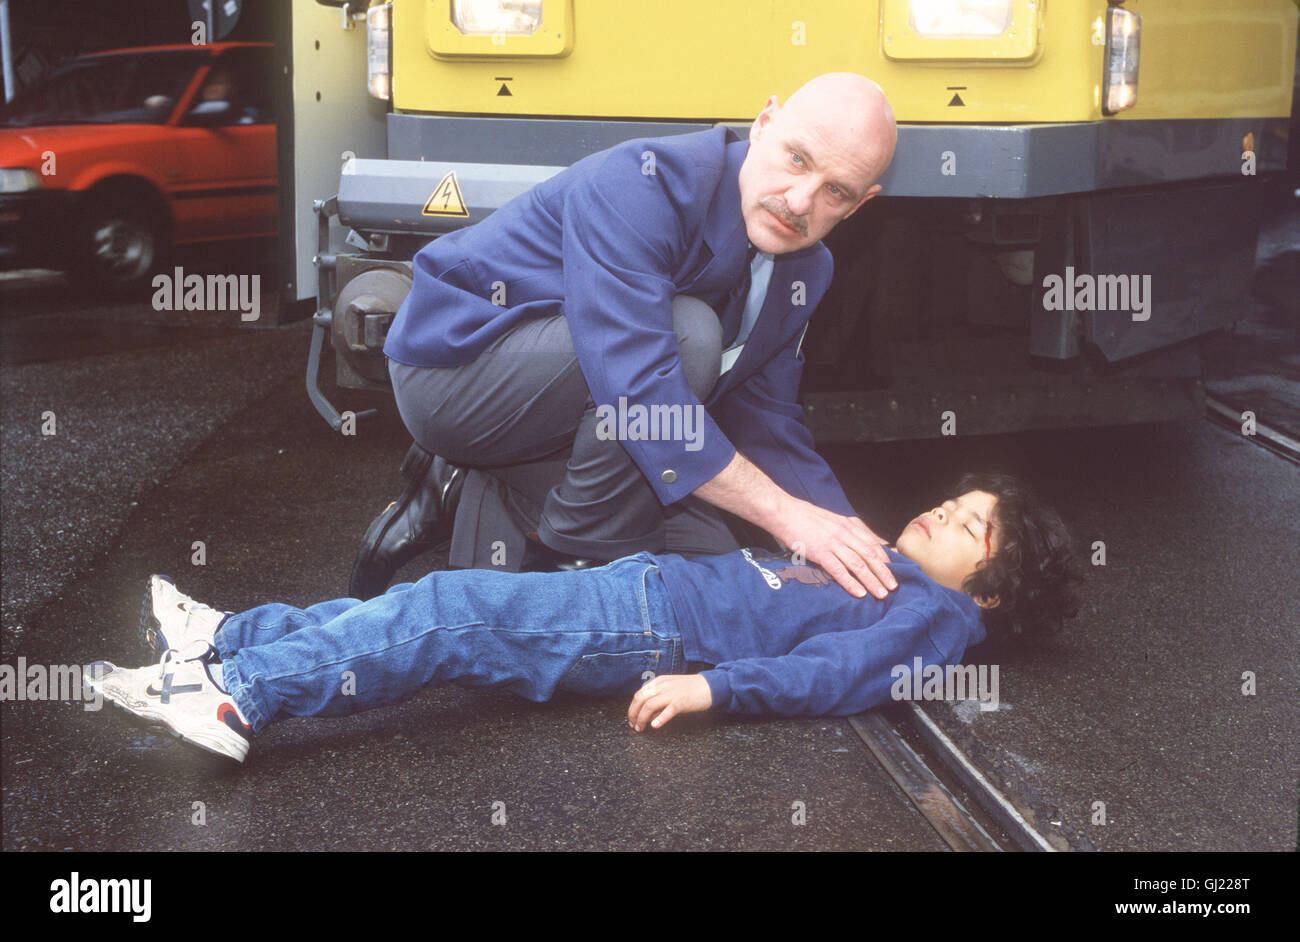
538	557
418	521
577	563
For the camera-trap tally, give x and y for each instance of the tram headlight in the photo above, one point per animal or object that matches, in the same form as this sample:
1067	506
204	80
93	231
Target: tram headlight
379	31
508	17
960	18
1123	35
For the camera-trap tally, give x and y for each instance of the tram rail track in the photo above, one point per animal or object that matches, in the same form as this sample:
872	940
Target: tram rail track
914	770
1268	437
1000	825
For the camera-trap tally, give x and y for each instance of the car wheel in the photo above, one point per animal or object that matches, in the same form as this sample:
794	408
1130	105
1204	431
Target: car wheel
120	246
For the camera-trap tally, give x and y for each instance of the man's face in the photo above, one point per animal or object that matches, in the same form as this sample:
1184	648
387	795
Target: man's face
949	541
803	174
218	87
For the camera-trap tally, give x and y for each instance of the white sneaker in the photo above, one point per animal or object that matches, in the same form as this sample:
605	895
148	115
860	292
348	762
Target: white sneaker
171	619
181	694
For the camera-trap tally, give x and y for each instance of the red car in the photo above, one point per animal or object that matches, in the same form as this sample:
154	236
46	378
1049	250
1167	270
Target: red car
117	156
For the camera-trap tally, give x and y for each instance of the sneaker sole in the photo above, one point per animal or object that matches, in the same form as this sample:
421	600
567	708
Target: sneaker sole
231	747
150	626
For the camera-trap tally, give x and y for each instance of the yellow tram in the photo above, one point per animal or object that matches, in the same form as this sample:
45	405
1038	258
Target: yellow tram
1072	209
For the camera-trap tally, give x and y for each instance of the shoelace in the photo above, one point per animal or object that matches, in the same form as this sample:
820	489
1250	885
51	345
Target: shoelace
199	646
195	608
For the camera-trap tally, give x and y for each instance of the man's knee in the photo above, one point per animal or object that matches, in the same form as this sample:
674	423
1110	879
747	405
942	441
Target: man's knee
699	338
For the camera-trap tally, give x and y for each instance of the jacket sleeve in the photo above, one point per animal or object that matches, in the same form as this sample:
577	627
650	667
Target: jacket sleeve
625	233
764	420
834	674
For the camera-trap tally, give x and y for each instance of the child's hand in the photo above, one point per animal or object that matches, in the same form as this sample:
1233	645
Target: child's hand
662	698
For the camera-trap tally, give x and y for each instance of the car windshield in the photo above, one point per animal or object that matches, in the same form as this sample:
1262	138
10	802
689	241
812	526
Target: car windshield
126	88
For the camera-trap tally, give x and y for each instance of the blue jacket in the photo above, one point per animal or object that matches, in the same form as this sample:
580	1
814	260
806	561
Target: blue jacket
785	639
609	242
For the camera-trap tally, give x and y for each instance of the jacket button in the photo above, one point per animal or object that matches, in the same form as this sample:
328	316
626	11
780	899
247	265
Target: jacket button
669	476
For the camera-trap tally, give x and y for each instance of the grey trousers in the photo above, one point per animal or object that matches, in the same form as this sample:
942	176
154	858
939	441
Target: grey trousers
521	419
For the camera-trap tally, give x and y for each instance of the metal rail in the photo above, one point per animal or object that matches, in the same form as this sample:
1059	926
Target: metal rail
323	319
1266	436
989	796
955	825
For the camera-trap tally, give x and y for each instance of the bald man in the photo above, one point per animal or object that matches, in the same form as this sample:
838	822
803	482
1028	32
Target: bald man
609	361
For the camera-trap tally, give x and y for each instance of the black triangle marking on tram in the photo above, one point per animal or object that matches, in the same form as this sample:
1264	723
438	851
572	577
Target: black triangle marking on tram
956	101
504	91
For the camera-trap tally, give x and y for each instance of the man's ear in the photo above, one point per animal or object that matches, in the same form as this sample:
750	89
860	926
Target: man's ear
987	602
870	193
770	108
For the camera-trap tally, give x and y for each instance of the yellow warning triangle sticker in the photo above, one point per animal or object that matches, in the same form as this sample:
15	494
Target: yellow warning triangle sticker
446	199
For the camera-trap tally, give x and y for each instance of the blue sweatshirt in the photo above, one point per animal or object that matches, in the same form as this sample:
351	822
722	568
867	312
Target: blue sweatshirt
785	639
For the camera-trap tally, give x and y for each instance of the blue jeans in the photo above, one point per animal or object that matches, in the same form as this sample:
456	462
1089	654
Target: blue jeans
596	631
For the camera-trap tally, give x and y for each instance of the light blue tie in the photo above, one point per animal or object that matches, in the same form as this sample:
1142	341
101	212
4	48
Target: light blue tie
760	274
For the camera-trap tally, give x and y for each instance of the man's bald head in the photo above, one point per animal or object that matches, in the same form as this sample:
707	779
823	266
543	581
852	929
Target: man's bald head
853	109
814	161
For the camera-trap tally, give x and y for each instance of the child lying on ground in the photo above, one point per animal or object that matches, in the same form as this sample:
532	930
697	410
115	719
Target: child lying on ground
759	633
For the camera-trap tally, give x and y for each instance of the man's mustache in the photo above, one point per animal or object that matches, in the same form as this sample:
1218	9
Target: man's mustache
776	205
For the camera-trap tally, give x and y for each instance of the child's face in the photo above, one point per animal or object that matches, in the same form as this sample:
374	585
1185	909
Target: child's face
949	541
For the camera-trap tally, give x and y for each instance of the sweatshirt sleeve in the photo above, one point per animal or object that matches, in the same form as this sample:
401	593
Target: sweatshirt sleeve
834	674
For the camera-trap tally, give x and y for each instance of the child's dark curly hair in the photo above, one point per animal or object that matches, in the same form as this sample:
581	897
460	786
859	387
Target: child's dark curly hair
1034	572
